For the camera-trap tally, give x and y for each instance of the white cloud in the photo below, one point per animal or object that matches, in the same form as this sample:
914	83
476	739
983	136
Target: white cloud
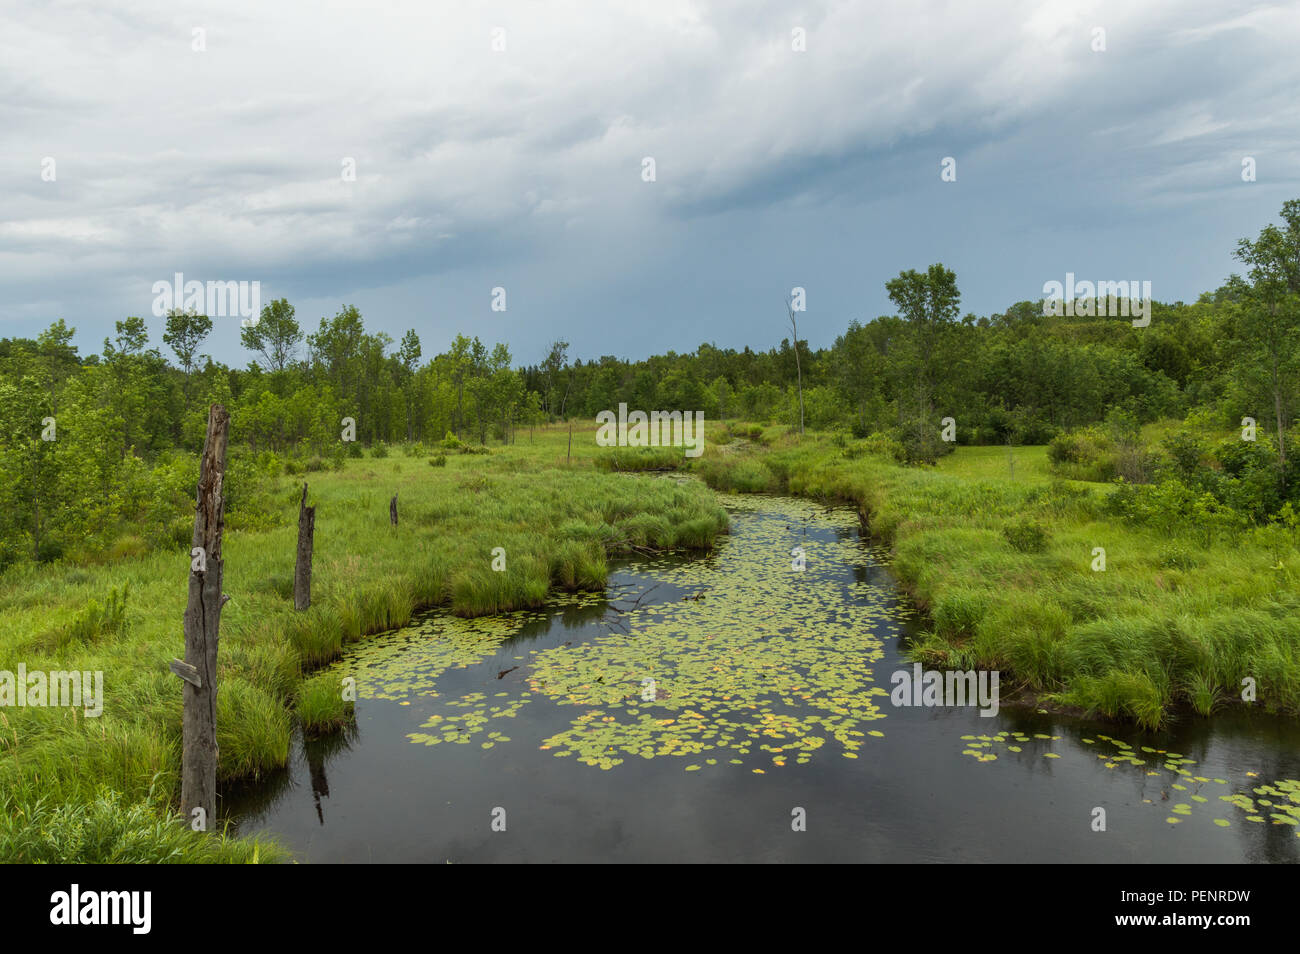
229	159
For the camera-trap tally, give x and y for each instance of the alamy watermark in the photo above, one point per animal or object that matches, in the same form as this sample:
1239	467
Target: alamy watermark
129	908
241	300
934	688
638	429
1099	299
54	688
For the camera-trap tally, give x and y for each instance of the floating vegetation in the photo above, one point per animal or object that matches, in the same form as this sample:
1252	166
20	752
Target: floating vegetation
408	663
731	671
1277	802
759	662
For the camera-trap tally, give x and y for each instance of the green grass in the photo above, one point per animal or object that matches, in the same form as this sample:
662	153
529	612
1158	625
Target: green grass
1169	624
632	459
555	520
321	705
108	830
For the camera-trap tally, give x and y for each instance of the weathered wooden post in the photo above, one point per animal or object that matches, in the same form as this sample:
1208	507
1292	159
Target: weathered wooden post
202	625
302	565
392	510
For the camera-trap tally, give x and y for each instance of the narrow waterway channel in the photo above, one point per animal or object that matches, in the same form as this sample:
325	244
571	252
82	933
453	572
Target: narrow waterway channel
700	708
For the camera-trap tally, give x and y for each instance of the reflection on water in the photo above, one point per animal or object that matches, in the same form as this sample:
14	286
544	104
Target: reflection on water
687	712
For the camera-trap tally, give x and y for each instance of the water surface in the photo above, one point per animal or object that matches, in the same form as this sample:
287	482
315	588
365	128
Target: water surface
689	712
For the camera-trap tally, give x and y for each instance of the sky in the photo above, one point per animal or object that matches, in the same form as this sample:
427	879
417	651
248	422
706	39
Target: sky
504	145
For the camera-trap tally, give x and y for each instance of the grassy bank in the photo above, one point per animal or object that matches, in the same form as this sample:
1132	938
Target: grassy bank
556	521
1001	556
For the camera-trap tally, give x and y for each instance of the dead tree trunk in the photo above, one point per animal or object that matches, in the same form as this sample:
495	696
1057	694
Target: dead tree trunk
202	623
392	510
302	566
794	331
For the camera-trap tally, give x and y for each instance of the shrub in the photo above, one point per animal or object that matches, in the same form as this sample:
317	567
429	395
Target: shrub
923	443
438	460
1238	457
1184	452
1084	454
881	445
1025	535
1177	558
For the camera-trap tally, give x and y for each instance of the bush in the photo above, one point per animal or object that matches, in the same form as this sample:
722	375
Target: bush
1084	454
878	445
1177	558
1025	535
379	451
923	444
1184	452
1172	506
438	460
1238	457
453	443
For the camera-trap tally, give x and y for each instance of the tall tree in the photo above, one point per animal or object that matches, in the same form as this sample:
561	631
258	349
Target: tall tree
929	304
132	336
276	336
184	333
1271	325
556	360
55	344
461	365
408	357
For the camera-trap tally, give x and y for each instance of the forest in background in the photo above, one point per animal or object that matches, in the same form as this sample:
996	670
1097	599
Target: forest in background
97	452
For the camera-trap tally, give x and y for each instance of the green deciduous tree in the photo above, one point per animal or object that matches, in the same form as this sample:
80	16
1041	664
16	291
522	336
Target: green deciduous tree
276	335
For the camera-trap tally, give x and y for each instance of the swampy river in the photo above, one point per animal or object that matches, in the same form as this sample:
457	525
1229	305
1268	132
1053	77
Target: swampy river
690	710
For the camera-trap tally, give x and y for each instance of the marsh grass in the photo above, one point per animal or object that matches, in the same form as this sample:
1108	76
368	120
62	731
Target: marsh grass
107	829
1001	557
320	704
632	459
556	524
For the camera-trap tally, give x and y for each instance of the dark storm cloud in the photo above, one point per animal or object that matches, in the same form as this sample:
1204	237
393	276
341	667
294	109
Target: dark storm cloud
523	168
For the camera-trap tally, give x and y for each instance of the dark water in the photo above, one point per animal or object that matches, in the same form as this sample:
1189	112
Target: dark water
374	794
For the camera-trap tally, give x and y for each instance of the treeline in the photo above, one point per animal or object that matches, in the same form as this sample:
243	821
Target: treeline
95	447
